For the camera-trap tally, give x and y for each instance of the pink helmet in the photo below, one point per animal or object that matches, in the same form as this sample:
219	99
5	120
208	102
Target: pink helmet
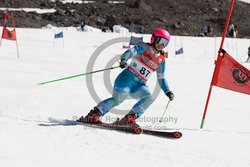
159	32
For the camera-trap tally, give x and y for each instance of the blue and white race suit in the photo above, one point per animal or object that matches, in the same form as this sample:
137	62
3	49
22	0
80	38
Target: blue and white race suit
132	80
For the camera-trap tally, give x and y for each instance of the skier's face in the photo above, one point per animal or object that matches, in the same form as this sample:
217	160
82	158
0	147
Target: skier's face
160	43
159	47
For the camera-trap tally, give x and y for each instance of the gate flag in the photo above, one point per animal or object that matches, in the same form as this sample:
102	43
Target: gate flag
135	40
179	51
10	35
231	75
59	35
7	33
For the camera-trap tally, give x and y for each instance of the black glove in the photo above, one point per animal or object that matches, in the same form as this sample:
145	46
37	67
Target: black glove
170	95
123	64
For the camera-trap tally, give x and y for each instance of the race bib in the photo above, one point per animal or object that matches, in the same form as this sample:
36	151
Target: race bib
141	69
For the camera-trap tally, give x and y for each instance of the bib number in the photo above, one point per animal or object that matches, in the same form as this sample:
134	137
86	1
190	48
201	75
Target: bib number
141	70
144	72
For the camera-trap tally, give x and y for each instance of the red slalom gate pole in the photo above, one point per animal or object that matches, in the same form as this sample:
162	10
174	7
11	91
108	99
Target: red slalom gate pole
216	69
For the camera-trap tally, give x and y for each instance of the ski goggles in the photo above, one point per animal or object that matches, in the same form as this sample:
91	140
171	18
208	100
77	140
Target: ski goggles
161	41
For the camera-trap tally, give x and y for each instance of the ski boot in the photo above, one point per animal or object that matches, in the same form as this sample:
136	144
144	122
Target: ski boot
129	122
93	117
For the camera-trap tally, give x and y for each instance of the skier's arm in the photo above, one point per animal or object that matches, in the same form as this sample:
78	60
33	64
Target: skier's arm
163	82
136	50
161	78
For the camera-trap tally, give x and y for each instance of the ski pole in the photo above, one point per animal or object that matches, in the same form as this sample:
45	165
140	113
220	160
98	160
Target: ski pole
161	119
78	75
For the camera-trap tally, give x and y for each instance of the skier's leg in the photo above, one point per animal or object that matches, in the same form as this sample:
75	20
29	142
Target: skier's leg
142	93
145	99
118	97
124	83
121	91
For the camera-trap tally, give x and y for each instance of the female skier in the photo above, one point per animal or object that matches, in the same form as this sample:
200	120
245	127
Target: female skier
146	59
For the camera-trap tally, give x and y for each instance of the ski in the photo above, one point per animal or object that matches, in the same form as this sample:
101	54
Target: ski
125	129
163	134
137	130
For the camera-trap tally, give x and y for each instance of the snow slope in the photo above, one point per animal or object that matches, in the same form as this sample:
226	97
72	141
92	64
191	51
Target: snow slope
247	1
29	139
